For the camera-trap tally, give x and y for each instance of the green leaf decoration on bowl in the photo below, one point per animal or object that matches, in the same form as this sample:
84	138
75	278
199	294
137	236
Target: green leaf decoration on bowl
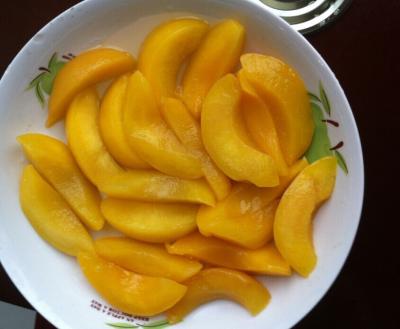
154	325
321	145
314	98
121	325
39	94
48	79
324	99
43	82
341	161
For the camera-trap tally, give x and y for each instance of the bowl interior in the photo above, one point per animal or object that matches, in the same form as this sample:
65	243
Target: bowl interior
51	281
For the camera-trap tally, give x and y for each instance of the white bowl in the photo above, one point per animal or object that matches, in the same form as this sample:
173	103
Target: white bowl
51	281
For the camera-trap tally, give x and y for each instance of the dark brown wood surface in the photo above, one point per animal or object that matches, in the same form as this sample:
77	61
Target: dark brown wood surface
362	50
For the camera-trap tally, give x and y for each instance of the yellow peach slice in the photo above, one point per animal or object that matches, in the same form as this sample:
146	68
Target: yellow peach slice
189	133
149	135
54	161
51	216
151	222
323	173
224	41
245	216
145	258
219	121
260	124
98	165
85	70
130	292
154	186
166	48
265	260
293	219
220	283
85	141
284	92
252	230
246	198
111	128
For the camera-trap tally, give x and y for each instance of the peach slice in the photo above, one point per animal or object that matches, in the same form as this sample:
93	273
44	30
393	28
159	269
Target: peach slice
151	222
265	260
219	122
220	283
284	92
246	198
188	131
149	135
85	70
111	127
130	292
154	186
245	217
166	48
293	219
323	173
51	216
85	141
54	161
145	258
260	124
252	230
98	165
225	40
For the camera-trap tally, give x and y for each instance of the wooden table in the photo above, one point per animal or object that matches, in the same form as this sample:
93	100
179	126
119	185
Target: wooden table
362	50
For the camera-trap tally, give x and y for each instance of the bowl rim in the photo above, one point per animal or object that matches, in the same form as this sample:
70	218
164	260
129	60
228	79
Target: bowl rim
43	308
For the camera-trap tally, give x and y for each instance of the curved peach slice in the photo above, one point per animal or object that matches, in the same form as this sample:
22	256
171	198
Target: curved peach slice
293	219
265	260
166	48
323	173
85	70
260	124
98	165
151	222
219	121
130	292
220	283
54	161
252	230
225	40
51	216
189	133
150	136
145	258
282	89
111	128
85	142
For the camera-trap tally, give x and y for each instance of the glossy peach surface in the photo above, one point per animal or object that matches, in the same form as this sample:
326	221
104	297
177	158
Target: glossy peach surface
219	126
293	231
146	258
85	70
265	260
54	161
220	283
50	215
130	292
